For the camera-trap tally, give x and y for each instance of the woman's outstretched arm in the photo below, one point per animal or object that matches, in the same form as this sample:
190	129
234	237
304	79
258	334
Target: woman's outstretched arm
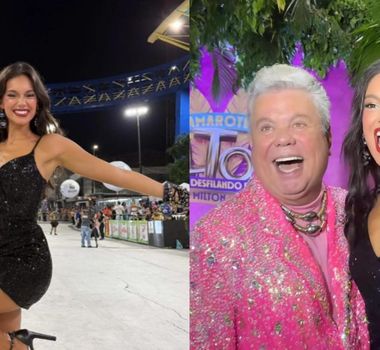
71	156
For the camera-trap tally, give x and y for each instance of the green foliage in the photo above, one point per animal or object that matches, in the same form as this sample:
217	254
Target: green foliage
366	48
264	32
179	170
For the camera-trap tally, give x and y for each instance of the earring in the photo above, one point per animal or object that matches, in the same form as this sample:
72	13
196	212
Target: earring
35	122
3	120
366	156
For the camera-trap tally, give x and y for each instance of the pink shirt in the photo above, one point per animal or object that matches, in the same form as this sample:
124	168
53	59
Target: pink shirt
318	243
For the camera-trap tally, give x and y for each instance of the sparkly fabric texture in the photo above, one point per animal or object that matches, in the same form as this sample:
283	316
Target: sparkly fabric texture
254	283
25	260
365	269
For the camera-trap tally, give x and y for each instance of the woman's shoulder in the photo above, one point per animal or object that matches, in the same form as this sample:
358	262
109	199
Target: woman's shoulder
54	138
53	143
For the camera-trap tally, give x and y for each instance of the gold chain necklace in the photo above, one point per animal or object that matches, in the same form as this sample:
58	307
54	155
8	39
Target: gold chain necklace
311	229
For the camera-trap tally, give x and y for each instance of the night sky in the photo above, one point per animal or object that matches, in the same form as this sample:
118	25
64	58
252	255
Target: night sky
67	40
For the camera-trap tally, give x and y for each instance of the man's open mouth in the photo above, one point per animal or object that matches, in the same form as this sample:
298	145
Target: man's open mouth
288	164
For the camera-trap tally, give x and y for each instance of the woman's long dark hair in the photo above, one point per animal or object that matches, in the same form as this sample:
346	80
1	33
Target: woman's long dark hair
364	180
43	122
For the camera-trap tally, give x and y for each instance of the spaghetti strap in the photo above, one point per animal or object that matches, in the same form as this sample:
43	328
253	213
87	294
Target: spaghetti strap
35	145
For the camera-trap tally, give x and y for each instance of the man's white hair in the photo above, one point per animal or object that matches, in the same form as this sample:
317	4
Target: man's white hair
282	77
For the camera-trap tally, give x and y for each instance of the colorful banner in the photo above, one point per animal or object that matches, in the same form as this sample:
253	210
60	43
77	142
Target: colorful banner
220	155
129	230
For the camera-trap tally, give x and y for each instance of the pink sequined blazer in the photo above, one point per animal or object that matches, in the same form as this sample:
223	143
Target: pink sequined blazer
255	284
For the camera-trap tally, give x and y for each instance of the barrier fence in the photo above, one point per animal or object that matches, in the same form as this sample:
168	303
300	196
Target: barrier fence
169	233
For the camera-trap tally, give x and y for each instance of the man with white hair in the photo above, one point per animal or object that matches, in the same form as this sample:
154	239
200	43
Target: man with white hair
269	267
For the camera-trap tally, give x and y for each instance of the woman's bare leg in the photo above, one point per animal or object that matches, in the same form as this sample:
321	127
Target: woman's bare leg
7	304
5	343
10	320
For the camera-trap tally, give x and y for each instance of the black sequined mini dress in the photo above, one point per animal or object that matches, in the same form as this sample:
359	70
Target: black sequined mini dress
365	270
25	262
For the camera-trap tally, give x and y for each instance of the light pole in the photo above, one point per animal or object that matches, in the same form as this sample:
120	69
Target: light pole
137	112
94	149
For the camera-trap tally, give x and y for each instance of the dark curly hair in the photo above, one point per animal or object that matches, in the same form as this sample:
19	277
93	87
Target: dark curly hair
364	179
43	123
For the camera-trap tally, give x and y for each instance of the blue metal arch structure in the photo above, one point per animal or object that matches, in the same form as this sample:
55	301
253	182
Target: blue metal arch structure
150	83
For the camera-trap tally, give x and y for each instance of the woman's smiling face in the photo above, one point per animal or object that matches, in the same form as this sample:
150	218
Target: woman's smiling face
19	101
371	117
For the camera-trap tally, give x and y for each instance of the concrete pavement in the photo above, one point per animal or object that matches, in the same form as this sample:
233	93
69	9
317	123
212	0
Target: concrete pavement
120	296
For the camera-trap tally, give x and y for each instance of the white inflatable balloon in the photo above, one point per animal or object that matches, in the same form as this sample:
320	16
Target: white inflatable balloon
120	165
185	186
69	188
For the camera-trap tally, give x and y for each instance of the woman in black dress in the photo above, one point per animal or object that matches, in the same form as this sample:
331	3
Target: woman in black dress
31	148
362	152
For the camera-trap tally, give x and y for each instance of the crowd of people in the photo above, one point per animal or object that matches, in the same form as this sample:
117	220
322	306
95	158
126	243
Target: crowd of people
146	210
137	210
92	220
